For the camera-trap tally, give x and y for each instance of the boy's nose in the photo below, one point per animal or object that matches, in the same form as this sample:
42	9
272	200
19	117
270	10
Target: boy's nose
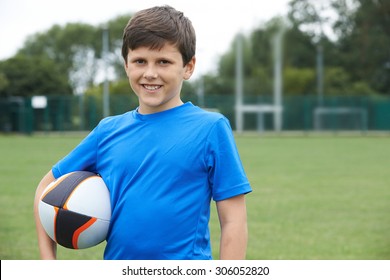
150	73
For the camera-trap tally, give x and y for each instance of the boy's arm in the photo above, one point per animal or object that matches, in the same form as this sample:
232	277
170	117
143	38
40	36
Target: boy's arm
47	247
234	231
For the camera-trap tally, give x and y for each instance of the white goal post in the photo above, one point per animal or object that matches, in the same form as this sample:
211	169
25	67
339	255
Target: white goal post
260	110
357	114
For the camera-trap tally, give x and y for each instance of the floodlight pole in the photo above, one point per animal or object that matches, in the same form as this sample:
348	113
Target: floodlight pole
278	81
320	73
239	84
320	64
106	89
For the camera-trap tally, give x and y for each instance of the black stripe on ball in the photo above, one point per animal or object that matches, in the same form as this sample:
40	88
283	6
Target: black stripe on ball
58	196
67	223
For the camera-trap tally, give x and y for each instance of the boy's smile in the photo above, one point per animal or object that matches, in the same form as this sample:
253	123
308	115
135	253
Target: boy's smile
156	76
151	87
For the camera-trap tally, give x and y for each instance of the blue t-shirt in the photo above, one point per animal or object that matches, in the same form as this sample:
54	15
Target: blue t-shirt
162	170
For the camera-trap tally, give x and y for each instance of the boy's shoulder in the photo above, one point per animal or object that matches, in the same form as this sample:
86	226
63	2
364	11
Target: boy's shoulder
116	118
115	121
205	113
205	117
212	114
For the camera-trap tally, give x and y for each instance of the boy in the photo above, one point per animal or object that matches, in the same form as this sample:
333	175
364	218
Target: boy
165	160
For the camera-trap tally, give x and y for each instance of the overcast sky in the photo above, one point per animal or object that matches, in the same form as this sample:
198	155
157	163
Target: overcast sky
216	22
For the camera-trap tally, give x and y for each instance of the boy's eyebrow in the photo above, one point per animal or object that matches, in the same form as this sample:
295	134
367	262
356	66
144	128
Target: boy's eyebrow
134	58
158	56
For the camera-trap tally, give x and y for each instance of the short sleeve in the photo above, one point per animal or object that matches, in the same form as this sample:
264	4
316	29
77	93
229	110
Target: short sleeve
227	177
81	158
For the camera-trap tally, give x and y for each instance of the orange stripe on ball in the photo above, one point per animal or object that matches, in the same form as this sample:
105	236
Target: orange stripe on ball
55	223
80	230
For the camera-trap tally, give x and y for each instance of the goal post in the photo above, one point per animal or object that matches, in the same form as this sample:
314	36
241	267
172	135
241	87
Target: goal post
260	109
340	118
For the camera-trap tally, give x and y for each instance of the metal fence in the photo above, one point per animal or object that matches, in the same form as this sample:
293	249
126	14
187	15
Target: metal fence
299	113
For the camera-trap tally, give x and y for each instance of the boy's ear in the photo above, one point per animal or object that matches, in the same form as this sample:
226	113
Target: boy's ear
189	68
125	65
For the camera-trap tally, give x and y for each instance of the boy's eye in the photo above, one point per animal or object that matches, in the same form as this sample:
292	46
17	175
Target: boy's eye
164	61
139	61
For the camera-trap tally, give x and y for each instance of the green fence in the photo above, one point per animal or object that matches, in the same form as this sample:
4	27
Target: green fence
300	113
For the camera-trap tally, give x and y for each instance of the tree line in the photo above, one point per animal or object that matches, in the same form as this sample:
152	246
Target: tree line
351	37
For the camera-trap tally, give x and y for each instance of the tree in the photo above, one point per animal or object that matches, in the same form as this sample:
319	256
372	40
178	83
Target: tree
77	49
72	47
364	42
355	39
3	82
28	76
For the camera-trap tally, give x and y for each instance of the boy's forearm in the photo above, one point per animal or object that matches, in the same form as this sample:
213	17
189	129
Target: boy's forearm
234	239
234	228
47	247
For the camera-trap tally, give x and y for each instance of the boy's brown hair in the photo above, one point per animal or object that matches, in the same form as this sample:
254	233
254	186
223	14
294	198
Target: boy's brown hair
154	27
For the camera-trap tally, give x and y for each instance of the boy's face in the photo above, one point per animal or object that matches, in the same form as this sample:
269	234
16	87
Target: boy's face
156	76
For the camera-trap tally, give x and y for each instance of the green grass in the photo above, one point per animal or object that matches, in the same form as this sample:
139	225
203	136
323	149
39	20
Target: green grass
314	197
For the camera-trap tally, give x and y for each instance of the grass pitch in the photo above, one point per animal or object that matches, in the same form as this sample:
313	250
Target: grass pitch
314	197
